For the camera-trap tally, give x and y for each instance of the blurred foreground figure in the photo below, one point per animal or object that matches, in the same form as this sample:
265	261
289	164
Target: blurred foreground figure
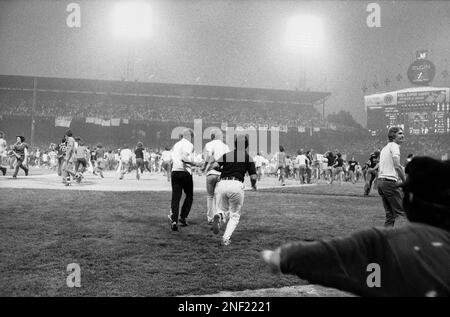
413	260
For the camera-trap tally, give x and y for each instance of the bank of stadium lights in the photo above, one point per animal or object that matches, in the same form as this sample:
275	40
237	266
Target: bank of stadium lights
304	33
132	20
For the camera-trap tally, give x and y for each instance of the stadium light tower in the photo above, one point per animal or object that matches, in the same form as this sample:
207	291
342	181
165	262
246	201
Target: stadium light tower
304	36
132	21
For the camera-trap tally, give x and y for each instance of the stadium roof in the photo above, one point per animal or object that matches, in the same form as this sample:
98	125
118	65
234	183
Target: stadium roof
163	90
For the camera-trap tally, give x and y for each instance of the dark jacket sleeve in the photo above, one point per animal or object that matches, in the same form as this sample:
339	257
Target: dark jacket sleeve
343	263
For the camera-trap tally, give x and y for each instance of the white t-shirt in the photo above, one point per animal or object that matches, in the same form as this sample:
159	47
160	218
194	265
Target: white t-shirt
258	159
182	150
198	158
216	149
52	155
301	159
324	163
166	156
125	155
3	146
386	165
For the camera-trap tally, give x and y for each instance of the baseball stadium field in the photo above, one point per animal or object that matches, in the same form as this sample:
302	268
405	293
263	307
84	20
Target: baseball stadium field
118	234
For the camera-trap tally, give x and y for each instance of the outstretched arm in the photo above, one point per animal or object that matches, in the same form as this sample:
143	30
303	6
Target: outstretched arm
341	263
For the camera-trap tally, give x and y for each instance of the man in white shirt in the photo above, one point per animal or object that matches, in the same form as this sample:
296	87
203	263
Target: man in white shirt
166	159
301	161
390	170
153	160
259	160
214	150
181	178
126	157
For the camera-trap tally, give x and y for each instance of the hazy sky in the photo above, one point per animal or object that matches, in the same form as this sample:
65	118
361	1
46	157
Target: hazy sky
231	43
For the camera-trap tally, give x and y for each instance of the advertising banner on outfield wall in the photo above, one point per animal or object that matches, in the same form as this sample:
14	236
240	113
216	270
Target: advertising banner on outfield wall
423	96
383	99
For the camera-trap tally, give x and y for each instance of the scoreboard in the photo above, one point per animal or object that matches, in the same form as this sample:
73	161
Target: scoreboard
419	111
415	120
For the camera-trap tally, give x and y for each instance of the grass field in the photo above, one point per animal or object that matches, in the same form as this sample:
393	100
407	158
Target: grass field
124	246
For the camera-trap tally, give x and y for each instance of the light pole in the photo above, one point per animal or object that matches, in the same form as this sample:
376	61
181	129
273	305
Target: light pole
304	37
132	22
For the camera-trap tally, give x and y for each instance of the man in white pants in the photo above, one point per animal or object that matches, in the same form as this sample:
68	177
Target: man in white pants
230	189
214	150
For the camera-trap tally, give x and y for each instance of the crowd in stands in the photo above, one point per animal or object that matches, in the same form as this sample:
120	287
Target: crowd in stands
157	109
77	105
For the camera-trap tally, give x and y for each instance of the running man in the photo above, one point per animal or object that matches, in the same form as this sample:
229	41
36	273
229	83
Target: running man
68	167
280	158
166	159
213	151
20	151
126	157
371	171
139	152
100	155
230	189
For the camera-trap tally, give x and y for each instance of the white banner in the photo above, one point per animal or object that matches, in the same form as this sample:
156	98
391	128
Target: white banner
98	121
301	129
115	122
106	123
125	121
63	122
384	99
90	120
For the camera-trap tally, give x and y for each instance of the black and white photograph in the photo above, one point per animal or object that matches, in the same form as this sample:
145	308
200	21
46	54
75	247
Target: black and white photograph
224	155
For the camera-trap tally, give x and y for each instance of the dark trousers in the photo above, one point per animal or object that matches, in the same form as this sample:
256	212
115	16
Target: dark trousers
146	167
370	178
60	163
392	200
140	165
81	162
20	165
181	181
